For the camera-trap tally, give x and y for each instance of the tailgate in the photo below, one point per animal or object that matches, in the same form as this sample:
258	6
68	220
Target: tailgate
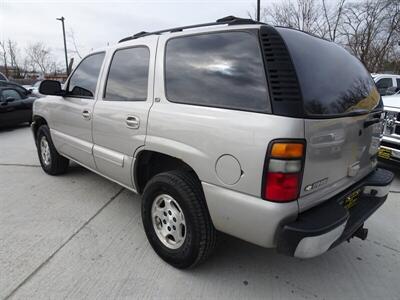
342	116
340	151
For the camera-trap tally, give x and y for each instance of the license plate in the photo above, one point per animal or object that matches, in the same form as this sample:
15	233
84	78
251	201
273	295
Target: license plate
352	199
384	153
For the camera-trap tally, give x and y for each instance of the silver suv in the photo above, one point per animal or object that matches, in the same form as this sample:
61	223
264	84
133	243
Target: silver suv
265	133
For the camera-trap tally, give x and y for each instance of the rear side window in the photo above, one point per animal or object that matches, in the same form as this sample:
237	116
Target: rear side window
398	84
128	75
218	69
84	79
332	81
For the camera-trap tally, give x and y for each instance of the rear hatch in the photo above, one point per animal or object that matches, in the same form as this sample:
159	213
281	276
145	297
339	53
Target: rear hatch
341	108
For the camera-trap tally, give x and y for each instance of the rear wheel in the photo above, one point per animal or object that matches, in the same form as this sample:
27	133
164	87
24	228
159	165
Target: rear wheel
176	220
51	161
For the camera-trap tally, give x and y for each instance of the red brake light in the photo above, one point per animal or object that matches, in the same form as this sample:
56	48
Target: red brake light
282	187
282	175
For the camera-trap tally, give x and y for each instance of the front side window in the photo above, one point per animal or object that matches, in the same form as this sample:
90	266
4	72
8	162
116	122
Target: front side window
219	69
9	93
384	83
128	75
84	80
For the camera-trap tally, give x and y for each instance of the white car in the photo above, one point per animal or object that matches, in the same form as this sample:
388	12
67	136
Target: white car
387	84
34	88
390	145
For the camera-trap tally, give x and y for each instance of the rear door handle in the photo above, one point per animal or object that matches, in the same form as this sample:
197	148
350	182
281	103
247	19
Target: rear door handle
132	122
86	114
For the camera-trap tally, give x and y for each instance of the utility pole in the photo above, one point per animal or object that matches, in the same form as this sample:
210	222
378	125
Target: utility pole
65	44
258	10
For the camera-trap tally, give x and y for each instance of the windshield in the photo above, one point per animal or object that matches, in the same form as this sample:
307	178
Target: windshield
332	81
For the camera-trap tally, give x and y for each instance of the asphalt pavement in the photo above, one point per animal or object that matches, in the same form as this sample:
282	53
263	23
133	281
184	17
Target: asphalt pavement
80	236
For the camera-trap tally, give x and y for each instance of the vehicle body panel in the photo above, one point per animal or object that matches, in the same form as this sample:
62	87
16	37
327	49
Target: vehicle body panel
16	111
71	122
73	133
200	135
342	116
114	141
340	152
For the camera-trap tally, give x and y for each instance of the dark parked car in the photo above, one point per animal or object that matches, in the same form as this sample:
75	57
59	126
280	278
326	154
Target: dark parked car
15	105
16	86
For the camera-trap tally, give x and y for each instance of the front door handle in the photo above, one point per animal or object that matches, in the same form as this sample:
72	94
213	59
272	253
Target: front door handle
86	114
132	122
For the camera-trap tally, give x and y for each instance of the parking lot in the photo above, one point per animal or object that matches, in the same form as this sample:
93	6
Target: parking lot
80	236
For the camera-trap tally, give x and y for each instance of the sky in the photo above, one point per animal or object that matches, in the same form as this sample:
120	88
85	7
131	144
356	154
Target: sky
96	23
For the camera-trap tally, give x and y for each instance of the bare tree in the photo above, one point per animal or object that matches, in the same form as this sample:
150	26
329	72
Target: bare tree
9	53
304	15
371	31
312	16
40	57
4	56
71	37
12	49
333	15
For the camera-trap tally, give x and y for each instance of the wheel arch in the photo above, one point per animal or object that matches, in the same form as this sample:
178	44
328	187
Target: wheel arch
149	163
38	121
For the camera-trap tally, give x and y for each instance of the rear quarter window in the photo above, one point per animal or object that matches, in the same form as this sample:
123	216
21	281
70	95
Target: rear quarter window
223	69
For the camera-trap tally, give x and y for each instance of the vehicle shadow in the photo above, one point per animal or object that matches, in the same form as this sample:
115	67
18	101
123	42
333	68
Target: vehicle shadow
242	270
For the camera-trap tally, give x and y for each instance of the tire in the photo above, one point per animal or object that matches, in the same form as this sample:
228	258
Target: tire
198	232
51	161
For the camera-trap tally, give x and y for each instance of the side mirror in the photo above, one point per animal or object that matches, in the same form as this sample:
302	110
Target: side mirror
51	87
10	99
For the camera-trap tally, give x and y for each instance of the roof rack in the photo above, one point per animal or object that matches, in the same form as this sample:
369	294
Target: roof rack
230	20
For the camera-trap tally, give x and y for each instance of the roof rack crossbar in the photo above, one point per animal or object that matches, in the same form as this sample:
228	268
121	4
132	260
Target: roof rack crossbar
230	20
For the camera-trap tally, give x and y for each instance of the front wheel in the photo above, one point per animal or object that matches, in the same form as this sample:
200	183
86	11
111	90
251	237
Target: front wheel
176	220
50	160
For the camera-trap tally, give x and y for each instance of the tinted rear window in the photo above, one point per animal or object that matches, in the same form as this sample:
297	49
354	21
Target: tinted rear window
128	75
332	81
222	69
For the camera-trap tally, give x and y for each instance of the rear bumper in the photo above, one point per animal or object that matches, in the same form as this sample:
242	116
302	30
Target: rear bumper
323	227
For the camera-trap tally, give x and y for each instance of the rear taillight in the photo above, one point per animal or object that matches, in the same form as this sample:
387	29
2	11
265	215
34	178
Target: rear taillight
283	171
